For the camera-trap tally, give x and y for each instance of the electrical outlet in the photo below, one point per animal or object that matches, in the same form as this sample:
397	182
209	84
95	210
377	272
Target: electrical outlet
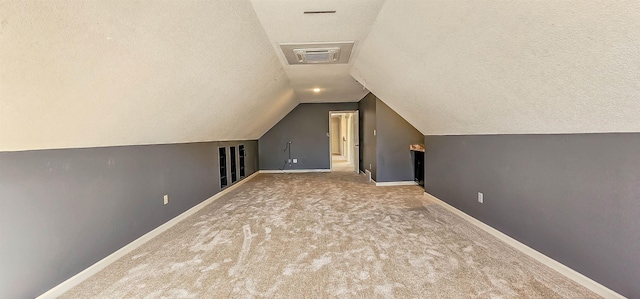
289	161
369	166
166	199
480	197
295	161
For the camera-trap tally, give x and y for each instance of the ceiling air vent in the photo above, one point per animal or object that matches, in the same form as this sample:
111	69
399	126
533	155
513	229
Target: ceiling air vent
312	12
317	53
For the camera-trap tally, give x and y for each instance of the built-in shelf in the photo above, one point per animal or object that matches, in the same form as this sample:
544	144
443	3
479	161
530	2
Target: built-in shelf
222	154
234	166
241	156
417	153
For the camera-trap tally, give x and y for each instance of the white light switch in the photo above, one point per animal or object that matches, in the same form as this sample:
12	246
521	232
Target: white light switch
166	199
480	197
295	161
374	132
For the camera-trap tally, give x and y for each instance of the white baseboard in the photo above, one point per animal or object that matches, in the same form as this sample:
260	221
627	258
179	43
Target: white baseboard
367	172
295	171
101	264
400	183
549	262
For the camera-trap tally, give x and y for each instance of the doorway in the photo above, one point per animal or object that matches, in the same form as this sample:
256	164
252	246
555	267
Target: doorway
343	138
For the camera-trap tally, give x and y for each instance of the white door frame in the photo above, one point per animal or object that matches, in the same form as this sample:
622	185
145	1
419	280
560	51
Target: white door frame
355	123
356	137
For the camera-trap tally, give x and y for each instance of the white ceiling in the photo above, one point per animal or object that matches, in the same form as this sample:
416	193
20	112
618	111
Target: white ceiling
97	73
483	67
284	22
87	73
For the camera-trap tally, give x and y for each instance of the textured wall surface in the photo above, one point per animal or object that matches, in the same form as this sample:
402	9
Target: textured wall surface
394	135
481	67
306	127
575	198
388	150
90	73
367	107
63	210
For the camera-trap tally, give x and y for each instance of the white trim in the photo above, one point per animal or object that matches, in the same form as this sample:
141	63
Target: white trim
367	172
329	132
295	171
400	183
549	262
103	263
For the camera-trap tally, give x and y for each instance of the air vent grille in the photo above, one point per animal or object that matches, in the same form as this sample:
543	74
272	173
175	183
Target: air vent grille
317	53
319	12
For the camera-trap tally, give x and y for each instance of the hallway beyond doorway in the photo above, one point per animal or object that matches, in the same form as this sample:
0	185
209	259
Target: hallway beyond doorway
339	163
344	140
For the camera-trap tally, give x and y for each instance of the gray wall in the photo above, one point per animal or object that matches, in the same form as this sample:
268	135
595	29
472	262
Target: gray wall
575	198
367	123
63	210
306	127
387	153
394	135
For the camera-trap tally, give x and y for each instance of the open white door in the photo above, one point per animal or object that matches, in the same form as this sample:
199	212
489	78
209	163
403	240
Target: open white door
356	141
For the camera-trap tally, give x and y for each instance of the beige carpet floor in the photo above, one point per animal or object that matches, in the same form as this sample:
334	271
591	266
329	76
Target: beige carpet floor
325	235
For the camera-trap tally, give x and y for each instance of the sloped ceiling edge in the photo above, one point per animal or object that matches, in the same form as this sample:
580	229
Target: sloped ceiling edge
468	67
87	74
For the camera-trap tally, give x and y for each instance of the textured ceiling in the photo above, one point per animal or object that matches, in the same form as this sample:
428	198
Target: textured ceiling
482	67
87	73
95	73
284	22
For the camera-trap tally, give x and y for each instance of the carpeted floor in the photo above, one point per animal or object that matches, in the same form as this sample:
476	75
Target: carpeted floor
321	235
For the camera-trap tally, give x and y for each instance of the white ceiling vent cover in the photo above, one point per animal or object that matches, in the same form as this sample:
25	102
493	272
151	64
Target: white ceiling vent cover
317	53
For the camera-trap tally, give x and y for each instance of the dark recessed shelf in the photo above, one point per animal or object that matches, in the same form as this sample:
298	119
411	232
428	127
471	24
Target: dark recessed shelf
222	153
241	155
234	176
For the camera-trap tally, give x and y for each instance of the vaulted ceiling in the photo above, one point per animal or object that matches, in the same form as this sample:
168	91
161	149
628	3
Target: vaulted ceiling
285	22
89	73
98	73
485	67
